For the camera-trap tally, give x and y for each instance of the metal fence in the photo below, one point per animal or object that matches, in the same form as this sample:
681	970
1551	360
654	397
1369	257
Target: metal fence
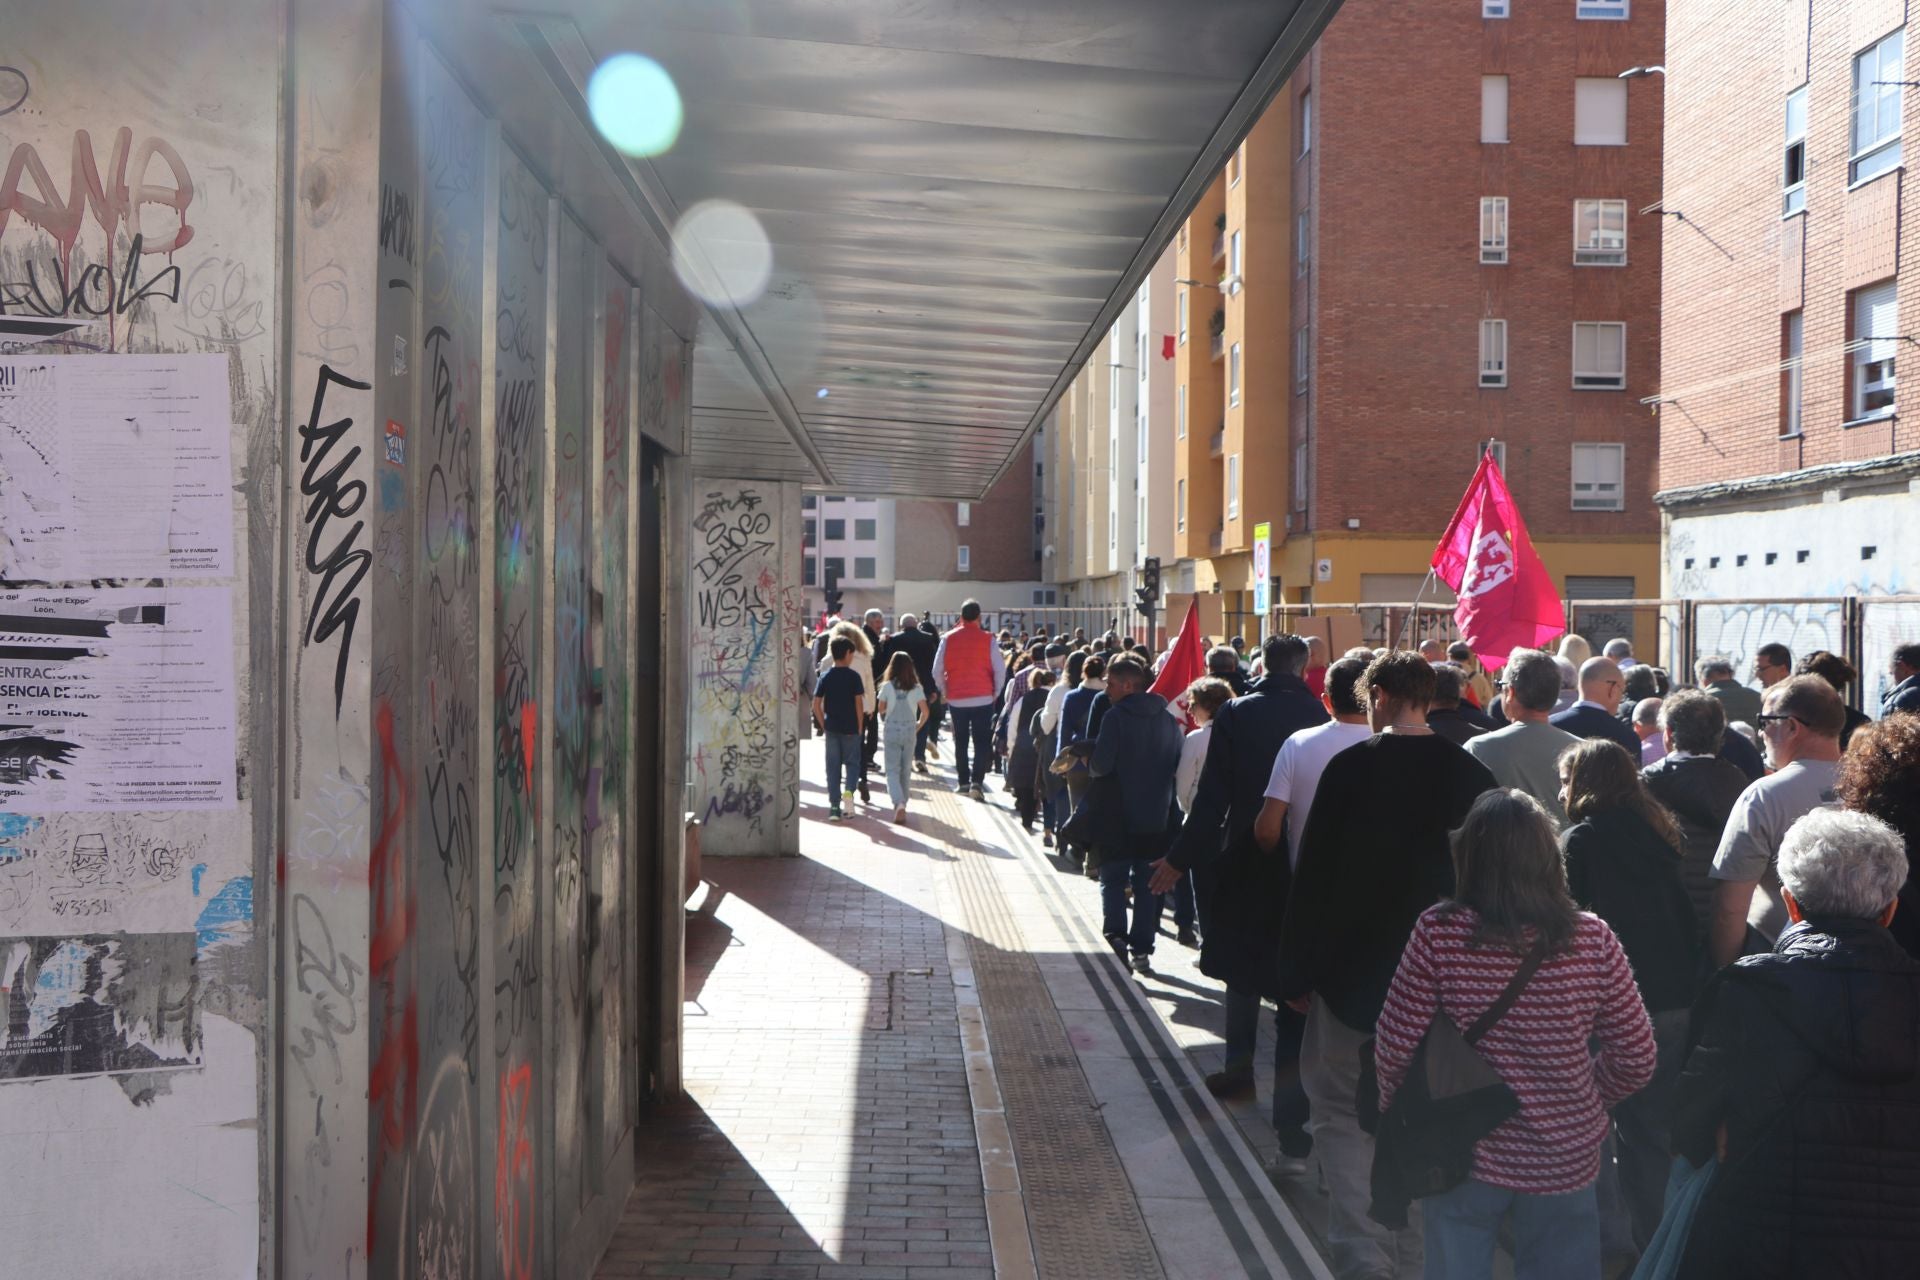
1677	634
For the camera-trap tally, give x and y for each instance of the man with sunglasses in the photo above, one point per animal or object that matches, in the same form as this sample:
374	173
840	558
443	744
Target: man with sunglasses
1800	722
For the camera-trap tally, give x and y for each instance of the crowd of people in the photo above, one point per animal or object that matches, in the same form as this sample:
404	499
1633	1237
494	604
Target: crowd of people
1676	922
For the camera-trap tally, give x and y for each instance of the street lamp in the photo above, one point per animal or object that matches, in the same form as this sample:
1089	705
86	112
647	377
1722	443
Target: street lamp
1634	73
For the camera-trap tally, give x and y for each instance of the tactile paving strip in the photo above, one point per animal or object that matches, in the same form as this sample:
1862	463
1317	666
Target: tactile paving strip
1081	1208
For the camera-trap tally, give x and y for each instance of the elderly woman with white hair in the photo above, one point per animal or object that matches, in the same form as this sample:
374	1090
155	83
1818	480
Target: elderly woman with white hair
1804	1081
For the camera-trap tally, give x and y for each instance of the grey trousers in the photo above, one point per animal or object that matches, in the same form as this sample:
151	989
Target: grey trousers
1330	1070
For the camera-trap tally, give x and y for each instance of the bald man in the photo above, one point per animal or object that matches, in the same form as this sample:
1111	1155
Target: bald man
1596	714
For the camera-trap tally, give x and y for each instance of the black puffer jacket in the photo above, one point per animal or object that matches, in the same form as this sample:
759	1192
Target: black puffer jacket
1700	790
1622	870
1810	1055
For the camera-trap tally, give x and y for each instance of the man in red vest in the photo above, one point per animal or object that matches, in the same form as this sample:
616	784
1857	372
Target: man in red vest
969	670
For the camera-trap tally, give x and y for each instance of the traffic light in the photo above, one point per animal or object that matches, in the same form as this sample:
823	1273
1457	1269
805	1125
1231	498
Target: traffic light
832	594
1147	594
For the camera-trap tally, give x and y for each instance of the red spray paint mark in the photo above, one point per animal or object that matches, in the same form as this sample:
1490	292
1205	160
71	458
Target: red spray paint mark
393	1079
513	1175
529	726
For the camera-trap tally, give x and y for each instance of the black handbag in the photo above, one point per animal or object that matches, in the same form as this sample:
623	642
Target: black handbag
1451	1098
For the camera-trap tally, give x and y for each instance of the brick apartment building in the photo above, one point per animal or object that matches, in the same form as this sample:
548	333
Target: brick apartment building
1431	239
1787	468
945	552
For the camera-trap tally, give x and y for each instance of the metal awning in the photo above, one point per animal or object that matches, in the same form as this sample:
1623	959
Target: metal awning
959	199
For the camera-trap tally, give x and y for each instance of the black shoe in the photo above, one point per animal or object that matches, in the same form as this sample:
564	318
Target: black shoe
1295	1143
1231	1084
1143	964
1188	938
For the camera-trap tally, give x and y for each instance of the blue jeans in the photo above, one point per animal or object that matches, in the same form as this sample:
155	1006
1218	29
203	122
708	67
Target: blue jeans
1555	1237
1243	1041
1114	878
843	758
972	726
930	731
899	753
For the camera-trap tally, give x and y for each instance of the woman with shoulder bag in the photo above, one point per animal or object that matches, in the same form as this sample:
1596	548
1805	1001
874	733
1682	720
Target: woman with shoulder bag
1510	912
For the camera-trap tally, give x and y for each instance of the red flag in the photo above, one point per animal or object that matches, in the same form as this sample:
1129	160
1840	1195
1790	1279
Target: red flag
1186	662
1166	346
1506	597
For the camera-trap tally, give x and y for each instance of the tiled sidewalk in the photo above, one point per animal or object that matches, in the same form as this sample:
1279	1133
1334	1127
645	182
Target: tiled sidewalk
830	1129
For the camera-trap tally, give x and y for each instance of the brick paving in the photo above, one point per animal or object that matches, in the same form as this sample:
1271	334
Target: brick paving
827	1130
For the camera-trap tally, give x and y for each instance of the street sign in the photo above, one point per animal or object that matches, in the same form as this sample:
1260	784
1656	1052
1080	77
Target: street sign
1262	571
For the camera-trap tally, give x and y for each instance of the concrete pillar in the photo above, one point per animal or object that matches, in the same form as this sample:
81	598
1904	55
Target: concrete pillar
747	691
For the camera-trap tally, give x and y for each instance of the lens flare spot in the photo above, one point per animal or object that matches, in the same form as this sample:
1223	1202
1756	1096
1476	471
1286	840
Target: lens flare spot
635	105
721	254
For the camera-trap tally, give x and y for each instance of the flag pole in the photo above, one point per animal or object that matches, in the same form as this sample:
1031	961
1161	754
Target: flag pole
1415	610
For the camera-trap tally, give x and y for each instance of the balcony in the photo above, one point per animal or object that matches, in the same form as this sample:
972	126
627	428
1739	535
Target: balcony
1217	540
1219	245
1217	443
1219	345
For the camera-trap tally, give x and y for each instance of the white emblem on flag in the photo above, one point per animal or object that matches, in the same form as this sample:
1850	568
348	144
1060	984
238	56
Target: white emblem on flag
1489	564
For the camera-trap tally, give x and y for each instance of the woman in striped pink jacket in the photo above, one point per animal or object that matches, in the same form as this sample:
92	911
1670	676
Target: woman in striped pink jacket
1510	891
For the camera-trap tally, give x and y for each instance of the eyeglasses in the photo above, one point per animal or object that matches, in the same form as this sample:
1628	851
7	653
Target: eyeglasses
1776	718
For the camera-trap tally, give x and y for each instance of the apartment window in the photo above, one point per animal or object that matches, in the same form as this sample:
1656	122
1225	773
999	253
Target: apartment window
836	568
1493	353
863	567
808	571
865	530
807	503
1599	356
1233	486
1604	10
1302	359
1600	112
966	558
1233	374
1498	448
1233	165
1876	109
1180	414
1140	522
1183	317
835	497
1792	337
1113	530
1793	175
1493	108
1300	249
1876	336
1306	122
1600	233
808	529
836	530
1233	263
1493	228
1143	354
1180	505
1300	476
1493	8
963	513
1598	470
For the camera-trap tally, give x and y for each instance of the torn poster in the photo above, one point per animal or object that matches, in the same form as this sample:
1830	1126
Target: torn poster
96	1004
117	699
115	467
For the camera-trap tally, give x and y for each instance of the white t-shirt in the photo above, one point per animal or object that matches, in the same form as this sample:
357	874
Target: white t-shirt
1193	755
1297	769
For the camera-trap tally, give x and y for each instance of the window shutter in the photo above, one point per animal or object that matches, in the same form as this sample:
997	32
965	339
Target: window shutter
1599	112
1877	316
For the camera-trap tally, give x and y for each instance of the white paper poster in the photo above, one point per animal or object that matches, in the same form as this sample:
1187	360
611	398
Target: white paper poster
117	699
115	468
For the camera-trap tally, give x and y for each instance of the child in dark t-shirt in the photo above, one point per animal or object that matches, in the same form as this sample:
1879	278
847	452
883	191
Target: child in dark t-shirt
838	710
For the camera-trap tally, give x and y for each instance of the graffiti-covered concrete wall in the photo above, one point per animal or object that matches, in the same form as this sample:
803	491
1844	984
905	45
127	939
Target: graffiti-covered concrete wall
139	512
746	687
329	426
